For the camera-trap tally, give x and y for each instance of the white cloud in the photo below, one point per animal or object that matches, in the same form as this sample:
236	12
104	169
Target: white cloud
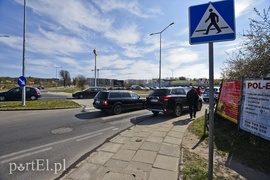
14	42
128	34
46	42
243	7
73	15
132	7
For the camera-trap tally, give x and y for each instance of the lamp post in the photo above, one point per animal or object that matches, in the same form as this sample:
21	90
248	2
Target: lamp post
96	53
23	63
160	50
56	79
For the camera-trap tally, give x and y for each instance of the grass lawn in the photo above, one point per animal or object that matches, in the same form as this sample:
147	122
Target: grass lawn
39	104
244	147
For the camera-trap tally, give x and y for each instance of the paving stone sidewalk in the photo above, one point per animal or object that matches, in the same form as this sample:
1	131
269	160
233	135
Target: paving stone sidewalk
150	150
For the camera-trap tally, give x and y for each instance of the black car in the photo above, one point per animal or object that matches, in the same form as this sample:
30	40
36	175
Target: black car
169	100
116	102
15	94
87	93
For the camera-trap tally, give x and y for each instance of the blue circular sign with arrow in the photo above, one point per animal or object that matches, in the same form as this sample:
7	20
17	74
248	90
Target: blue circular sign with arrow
22	81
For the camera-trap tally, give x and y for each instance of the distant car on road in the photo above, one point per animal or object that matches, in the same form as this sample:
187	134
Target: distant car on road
136	87
15	94
116	102
40	87
205	94
169	100
87	93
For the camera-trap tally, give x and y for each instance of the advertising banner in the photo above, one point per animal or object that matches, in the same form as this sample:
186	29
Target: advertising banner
255	109
229	100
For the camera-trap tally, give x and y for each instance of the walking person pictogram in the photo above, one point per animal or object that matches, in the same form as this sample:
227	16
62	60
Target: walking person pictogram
214	20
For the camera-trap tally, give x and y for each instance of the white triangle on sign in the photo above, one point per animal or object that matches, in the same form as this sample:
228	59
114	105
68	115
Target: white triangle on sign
201	29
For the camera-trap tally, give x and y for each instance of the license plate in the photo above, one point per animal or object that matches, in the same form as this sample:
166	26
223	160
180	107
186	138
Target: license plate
154	100
97	102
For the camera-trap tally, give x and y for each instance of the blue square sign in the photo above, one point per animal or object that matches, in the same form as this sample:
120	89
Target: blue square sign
212	22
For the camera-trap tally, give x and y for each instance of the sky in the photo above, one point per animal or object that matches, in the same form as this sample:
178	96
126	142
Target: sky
62	34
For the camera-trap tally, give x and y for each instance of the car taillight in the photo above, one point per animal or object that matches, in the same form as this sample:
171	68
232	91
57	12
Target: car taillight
37	92
105	102
164	98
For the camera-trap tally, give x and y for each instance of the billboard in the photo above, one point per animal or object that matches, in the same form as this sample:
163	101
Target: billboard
255	109
229	100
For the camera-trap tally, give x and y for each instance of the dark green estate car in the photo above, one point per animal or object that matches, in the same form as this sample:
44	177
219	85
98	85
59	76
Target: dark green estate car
117	101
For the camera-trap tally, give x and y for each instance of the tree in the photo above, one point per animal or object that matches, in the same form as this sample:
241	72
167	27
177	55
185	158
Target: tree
252	59
80	81
65	76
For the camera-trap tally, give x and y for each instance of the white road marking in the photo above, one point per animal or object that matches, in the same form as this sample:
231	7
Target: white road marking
25	155
51	144
87	137
115	129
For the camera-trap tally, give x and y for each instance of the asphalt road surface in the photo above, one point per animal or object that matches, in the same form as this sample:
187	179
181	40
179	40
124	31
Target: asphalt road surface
42	144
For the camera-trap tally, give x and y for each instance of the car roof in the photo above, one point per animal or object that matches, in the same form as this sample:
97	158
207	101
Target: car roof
117	91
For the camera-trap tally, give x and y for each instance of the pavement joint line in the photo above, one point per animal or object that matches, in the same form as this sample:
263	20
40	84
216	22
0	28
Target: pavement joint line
87	137
57	142
25	155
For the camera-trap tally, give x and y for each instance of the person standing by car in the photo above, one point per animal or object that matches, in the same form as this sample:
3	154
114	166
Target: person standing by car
198	89
192	99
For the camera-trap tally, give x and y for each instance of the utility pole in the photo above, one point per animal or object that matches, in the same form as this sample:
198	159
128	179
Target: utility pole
23	63
96	53
56	79
160	50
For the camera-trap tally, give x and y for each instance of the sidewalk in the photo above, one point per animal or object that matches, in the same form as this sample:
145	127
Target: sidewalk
150	150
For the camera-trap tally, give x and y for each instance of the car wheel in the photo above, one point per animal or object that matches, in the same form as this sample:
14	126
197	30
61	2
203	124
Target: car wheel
2	98
177	110
33	98
155	113
80	96
199	106
117	109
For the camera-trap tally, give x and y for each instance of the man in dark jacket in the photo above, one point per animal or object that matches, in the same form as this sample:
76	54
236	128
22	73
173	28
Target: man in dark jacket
192	99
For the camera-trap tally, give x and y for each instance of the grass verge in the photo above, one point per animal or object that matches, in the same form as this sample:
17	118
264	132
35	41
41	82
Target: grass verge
244	147
39	104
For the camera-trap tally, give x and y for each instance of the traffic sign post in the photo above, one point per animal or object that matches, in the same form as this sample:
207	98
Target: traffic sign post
210	23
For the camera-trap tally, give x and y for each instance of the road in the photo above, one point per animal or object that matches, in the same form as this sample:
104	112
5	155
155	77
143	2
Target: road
54	136
42	144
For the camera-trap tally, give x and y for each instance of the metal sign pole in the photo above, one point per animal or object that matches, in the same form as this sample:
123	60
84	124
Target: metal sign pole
95	70
23	64
211	110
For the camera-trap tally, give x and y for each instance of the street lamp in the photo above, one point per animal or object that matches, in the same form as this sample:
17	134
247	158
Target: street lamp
96	53
23	63
160	50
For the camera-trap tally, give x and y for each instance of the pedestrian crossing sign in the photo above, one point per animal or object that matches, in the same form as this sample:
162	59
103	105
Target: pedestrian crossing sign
212	22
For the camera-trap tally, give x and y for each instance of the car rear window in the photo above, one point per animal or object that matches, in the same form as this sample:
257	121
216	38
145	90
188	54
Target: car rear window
102	95
159	92
178	91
